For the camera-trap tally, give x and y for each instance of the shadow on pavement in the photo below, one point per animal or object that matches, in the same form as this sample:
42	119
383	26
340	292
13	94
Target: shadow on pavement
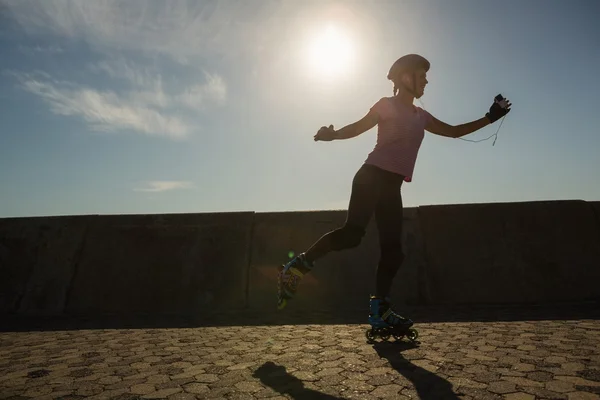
277	378
428	385
249	317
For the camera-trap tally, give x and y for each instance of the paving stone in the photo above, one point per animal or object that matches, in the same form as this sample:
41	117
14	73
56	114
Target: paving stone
560	386
196	388
387	391
162	394
583	396
540	376
144	388
501	387
519	396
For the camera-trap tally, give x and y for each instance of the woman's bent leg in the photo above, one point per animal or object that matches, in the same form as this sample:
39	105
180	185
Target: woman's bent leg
363	200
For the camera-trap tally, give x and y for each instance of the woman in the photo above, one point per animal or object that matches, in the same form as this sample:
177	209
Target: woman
376	186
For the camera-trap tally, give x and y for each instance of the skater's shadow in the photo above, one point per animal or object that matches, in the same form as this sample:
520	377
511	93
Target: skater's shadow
276	377
428	385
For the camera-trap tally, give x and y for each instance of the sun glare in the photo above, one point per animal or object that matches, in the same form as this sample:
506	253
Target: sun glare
331	53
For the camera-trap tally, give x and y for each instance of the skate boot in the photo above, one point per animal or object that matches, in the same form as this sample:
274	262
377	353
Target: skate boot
385	322
289	278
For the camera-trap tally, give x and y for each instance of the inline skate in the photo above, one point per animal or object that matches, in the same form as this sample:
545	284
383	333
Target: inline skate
289	277
385	322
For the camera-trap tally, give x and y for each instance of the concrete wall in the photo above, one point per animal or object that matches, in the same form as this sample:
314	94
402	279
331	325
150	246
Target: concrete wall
37	262
162	264
193	264
124	265
511	253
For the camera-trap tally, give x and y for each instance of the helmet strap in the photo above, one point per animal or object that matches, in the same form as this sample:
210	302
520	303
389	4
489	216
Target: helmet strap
412	90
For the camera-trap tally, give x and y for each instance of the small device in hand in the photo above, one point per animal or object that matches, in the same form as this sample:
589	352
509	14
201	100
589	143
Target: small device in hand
501	101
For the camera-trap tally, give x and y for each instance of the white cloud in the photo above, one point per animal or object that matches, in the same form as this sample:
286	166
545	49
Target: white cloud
151	87
179	28
162	186
103	110
213	90
146	106
122	69
35	50
136	97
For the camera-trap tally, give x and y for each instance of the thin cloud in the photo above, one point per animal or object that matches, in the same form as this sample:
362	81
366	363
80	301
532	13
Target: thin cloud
178	28
150	86
36	50
147	107
124	70
212	91
102	110
162	186
133	96
146	86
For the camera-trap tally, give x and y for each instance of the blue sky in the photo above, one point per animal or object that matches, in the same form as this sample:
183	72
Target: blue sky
182	107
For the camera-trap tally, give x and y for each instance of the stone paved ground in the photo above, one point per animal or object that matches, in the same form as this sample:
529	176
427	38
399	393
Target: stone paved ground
517	360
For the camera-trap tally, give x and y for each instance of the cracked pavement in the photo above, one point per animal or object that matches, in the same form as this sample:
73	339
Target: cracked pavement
524	359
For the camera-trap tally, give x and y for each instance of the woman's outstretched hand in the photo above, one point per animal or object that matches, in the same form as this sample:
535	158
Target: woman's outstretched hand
499	109
325	134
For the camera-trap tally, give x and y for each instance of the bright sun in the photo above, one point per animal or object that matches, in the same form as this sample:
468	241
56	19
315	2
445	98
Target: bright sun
331	53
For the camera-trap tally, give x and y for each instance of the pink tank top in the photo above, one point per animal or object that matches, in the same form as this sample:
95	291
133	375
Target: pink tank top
400	132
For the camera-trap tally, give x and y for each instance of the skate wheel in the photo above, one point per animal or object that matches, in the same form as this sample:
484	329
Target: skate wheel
398	337
412	334
370	335
385	337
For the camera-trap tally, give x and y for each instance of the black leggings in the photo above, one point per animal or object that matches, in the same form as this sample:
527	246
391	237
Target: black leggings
374	190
